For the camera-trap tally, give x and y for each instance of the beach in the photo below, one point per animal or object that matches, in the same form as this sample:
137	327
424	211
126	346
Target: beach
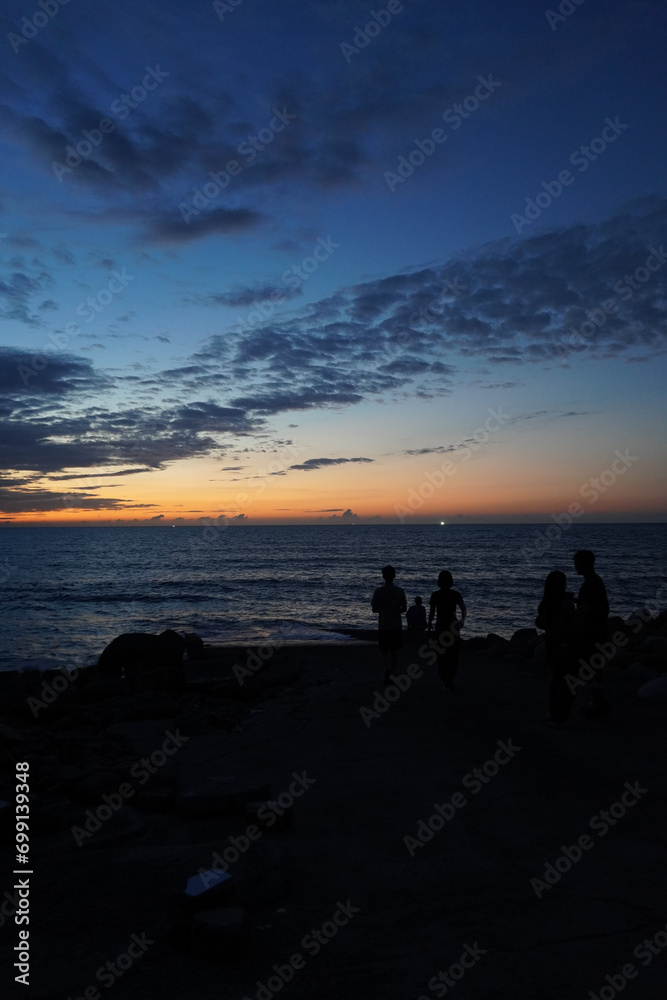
424	824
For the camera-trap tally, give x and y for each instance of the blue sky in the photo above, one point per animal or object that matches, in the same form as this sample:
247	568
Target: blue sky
351	298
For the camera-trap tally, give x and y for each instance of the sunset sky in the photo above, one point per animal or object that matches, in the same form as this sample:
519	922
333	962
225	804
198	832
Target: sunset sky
325	261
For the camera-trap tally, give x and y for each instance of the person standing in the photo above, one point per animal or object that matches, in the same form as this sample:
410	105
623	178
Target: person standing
593	614
442	606
390	604
557	615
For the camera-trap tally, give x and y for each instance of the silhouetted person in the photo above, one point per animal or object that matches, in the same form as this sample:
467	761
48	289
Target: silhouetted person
389	603
557	615
416	616
443	605
593	614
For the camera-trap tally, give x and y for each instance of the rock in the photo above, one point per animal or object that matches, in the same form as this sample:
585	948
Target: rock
616	624
475	642
513	659
153	800
263	816
220	796
134	652
640	673
220	721
263	874
525	635
655	644
206	890
496	644
150	705
10	684
9	735
102	688
48	815
87	784
123	826
194	646
222	935
540	653
655	690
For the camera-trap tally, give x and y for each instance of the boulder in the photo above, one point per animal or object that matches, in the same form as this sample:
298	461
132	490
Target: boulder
262	814
220	796
475	642
640	673
206	890
523	636
654	644
194	646
134	652
655	690
540	653
496	644
222	935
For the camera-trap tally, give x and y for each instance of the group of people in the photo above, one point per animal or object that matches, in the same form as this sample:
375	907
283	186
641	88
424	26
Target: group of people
572	626
390	604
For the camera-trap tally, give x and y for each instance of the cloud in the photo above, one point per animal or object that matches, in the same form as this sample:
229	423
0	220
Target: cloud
28	373
26	501
318	463
345	516
168	226
20	282
251	295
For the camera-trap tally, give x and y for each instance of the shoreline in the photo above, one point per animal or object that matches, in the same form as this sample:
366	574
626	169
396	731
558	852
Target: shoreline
364	833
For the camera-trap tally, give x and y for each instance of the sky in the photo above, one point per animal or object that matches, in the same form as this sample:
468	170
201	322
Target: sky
269	261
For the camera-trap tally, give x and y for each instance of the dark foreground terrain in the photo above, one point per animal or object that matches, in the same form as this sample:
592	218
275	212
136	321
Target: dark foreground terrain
538	876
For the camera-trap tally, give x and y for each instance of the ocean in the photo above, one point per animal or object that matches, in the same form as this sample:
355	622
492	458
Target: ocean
66	592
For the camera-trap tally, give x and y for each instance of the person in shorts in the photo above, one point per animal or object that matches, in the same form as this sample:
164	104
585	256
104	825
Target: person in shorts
390	604
442	606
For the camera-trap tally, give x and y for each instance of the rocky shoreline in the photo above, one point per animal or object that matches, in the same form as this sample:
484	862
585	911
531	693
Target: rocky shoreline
140	788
